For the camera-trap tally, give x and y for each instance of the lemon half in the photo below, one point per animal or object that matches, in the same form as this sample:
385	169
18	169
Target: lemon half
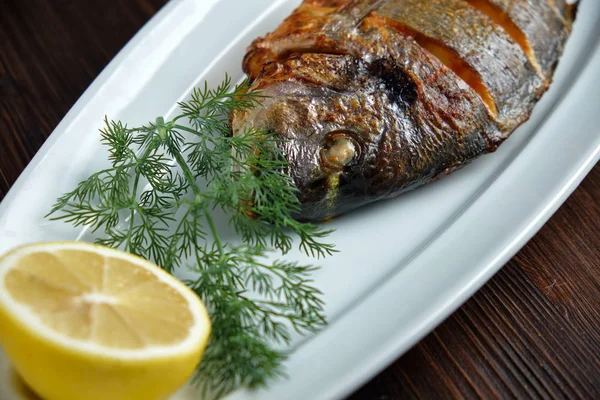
81	321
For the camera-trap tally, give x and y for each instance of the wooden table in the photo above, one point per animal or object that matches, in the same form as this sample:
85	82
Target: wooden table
532	332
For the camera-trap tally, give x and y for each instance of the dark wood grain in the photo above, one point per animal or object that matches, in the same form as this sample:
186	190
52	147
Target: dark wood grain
532	332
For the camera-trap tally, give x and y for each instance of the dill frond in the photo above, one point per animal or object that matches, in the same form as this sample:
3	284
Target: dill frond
158	199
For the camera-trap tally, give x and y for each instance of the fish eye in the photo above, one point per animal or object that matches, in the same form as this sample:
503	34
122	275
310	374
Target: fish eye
339	150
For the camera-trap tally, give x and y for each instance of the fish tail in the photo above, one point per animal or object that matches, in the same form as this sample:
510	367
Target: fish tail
357	10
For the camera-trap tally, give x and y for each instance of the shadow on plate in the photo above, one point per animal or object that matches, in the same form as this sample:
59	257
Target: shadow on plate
20	388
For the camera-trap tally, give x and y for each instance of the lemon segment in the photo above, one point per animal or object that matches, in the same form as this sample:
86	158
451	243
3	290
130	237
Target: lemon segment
84	321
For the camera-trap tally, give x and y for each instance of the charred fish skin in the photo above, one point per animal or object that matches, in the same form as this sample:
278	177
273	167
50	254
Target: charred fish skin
376	97
395	142
538	28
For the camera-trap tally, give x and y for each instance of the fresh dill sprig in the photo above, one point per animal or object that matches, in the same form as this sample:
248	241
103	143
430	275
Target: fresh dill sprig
158	199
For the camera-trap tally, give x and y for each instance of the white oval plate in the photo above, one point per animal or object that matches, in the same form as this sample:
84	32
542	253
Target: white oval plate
405	264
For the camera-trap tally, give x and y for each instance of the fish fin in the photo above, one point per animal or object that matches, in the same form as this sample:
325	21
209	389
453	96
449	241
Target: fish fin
573	9
357	10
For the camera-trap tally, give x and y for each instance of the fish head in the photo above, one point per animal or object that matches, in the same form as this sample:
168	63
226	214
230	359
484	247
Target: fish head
330	114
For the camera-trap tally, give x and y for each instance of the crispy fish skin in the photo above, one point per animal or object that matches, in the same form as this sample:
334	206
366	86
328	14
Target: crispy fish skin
377	97
508	75
543	27
404	135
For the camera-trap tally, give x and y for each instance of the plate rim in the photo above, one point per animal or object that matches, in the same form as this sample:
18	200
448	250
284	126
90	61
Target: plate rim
354	378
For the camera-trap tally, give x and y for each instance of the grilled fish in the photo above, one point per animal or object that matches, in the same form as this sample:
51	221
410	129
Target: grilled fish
376	97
